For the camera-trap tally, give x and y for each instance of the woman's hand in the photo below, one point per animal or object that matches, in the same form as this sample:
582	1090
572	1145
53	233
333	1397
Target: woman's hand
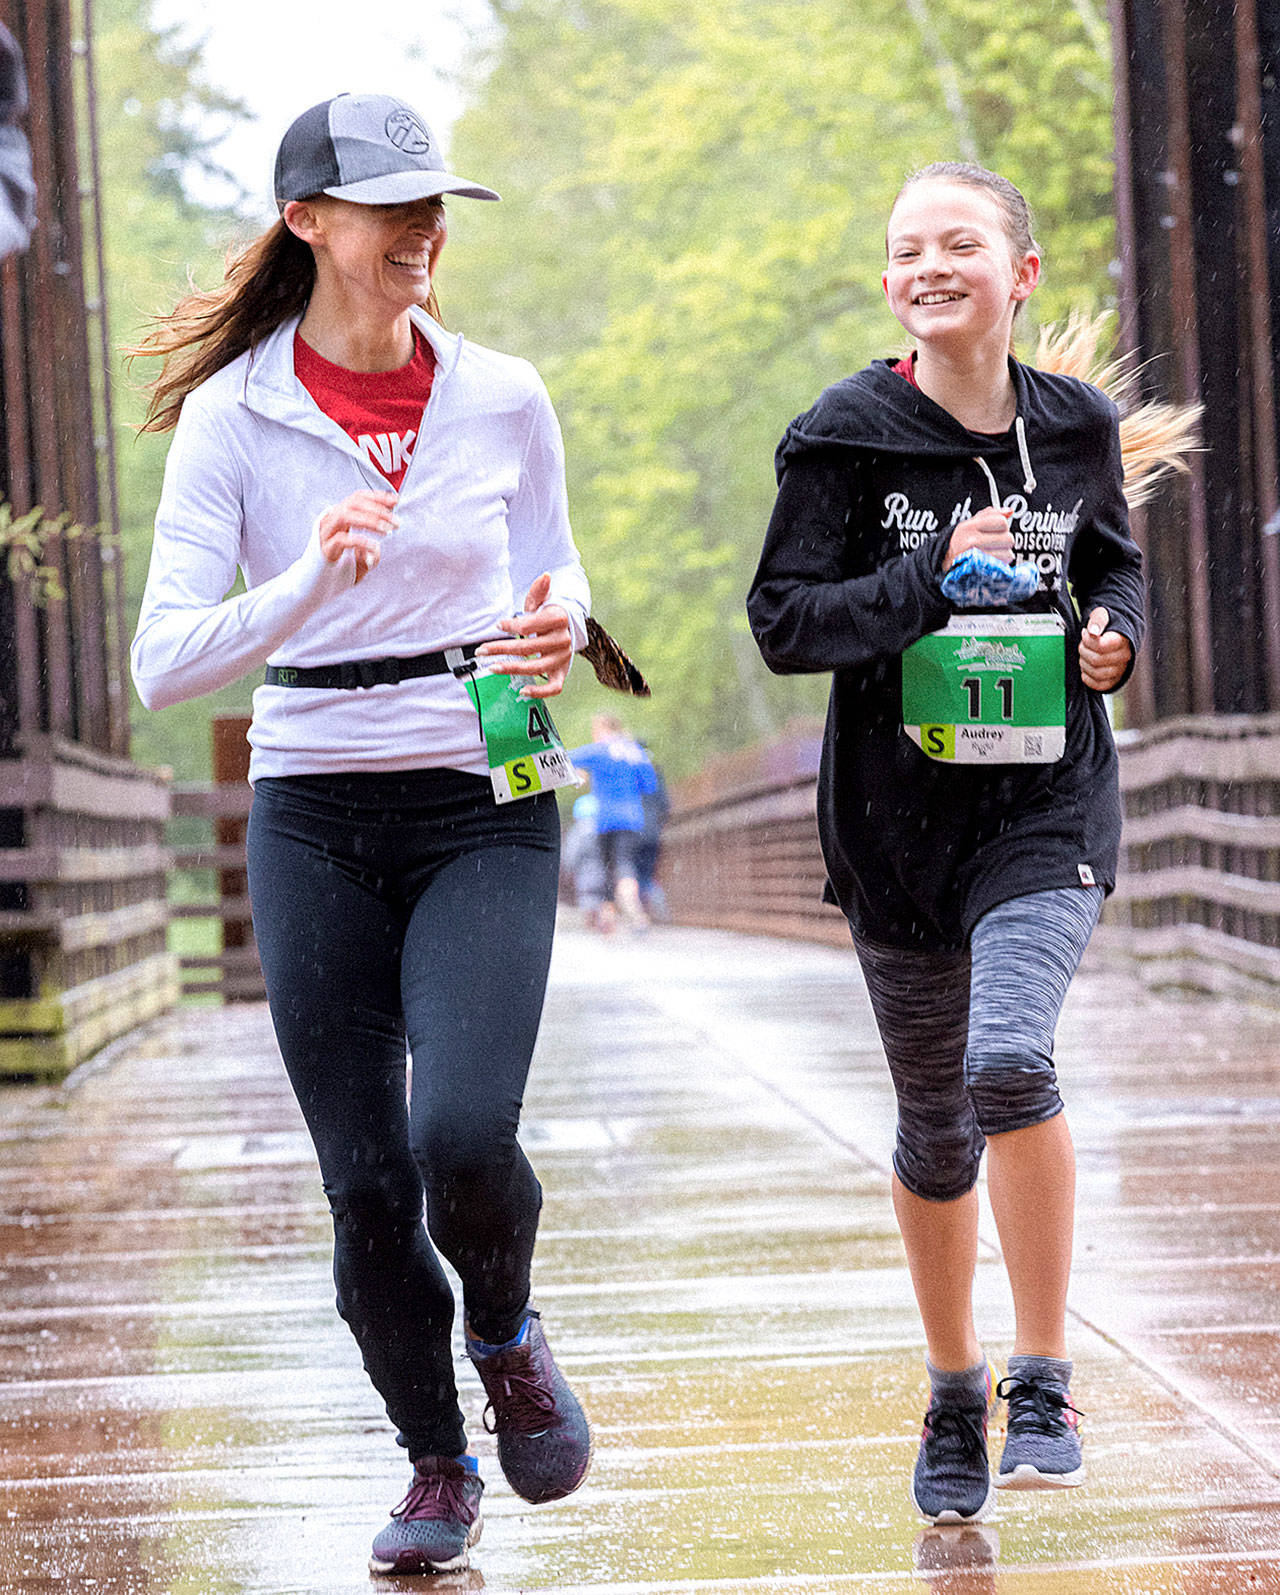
987	530
544	645
358	523
1104	655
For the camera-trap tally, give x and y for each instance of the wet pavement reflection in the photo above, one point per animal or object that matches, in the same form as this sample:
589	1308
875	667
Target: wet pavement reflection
181	1411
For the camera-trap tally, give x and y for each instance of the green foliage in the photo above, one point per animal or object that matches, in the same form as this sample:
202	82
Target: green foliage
24	542
690	248
150	97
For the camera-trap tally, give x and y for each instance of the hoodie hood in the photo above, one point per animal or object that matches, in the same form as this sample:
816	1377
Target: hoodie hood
878	410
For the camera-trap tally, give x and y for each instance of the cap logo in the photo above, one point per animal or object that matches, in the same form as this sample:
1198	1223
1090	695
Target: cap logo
407	133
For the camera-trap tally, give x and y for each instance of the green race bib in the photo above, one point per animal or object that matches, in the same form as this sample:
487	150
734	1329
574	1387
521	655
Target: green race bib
526	755
988	689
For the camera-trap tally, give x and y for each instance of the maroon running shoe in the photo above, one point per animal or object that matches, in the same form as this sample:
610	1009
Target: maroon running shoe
437	1523
544	1444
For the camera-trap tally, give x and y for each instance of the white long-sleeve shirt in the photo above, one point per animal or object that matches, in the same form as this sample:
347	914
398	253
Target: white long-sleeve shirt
253	465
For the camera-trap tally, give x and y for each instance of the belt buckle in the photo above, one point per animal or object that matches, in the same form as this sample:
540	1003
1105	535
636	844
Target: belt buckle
459	664
367	673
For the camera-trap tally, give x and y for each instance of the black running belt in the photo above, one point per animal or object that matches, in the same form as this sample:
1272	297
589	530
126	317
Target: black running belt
352	673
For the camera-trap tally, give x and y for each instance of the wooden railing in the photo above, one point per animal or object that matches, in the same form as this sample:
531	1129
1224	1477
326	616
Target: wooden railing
82	903
1199	892
1198	897
210	902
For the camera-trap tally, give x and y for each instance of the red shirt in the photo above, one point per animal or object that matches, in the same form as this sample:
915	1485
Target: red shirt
380	411
906	367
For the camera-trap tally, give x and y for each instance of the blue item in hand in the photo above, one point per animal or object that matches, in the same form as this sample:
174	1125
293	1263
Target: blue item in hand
980	581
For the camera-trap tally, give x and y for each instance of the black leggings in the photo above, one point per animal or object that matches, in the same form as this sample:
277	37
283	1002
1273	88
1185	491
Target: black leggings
408	906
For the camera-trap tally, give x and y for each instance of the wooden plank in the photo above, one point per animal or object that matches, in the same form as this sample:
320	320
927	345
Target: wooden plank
64	1010
235	910
1203	825
1211	886
1222	748
236	959
127	793
75	932
1194	943
51	1056
68	864
208	856
213	802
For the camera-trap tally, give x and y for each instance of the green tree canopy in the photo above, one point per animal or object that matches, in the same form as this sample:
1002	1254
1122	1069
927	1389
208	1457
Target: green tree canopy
154	118
690	248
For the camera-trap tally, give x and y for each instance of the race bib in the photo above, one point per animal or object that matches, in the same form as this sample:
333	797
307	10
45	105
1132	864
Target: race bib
525	753
988	689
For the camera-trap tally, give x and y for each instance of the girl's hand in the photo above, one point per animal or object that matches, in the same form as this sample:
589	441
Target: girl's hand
544	648
987	530
357	524
1104	655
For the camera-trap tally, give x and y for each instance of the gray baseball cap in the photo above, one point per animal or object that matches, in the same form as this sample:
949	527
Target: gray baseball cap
368	148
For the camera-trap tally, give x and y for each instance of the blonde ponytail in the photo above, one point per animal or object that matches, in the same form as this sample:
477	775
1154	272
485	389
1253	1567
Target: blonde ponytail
1155	438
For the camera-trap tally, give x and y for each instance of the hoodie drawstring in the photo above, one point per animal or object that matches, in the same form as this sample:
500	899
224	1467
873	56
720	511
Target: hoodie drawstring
1024	454
991	481
1028	475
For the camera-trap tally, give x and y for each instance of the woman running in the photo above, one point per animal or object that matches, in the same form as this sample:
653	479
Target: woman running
393	496
951	539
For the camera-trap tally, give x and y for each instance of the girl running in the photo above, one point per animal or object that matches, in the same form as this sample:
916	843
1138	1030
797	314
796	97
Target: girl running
392	495
951	539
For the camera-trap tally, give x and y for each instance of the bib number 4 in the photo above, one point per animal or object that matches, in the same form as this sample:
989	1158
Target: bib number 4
523	747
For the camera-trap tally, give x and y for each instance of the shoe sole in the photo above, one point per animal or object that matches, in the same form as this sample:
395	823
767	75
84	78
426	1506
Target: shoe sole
949	1515
413	1562
1026	1477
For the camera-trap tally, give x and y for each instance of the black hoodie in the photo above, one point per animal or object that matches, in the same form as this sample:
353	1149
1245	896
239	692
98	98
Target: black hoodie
872	481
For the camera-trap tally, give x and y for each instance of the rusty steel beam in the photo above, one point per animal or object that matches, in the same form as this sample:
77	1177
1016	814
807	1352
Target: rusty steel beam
41	267
1139	694
1261	346
116	642
1186	347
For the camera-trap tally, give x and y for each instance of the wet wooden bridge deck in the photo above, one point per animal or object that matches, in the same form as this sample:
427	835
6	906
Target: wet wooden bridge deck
181	1411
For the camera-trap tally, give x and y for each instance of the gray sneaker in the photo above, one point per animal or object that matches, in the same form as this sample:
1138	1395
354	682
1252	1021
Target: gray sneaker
437	1523
544	1444
952	1479
1042	1437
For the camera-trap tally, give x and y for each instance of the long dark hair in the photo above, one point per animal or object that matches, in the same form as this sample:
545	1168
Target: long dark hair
265	284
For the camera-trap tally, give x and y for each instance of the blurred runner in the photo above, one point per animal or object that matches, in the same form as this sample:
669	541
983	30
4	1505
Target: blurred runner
621	774
657	806
584	859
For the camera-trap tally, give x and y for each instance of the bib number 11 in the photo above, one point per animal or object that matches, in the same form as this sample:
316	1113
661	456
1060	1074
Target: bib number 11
1004	687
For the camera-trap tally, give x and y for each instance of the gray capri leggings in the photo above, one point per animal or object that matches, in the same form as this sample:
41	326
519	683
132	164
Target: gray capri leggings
969	1034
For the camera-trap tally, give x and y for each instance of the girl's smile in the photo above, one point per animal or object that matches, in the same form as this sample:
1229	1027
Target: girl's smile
951	269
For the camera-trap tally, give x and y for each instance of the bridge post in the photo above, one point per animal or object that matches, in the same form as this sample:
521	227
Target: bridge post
1197	119
82	863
